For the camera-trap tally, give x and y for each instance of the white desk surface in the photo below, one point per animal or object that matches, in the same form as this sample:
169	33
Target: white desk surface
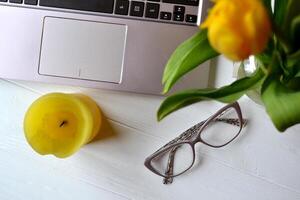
260	164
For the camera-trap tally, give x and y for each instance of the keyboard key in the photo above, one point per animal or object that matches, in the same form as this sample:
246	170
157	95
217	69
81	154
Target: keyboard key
155	0
137	8
193	2
178	17
31	2
183	2
122	7
165	15
3	0
191	18
16	1
179	9
152	10
105	6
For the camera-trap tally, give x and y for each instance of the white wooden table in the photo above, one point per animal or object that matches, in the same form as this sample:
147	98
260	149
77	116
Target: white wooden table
260	164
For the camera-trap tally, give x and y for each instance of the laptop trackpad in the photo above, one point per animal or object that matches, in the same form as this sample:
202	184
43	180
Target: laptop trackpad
82	49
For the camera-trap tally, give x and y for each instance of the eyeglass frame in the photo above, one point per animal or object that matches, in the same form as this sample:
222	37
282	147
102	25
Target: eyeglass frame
192	142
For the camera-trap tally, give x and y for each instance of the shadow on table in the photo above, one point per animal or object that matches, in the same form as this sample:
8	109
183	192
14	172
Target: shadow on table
106	131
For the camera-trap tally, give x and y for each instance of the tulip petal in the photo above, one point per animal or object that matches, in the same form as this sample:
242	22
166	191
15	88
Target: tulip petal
238	29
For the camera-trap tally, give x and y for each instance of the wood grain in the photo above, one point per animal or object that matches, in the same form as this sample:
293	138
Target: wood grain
260	164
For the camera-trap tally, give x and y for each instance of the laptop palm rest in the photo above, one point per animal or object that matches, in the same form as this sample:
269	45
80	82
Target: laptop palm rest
82	49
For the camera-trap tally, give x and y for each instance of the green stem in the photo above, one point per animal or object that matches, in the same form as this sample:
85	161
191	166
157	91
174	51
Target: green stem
280	37
261	65
273	67
263	68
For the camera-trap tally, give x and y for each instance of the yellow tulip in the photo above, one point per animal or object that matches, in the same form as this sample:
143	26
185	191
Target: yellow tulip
238	28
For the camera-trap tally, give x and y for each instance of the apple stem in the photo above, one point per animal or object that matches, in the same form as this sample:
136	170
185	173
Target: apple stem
63	123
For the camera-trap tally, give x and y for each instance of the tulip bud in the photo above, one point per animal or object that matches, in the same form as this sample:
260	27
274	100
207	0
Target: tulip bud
238	28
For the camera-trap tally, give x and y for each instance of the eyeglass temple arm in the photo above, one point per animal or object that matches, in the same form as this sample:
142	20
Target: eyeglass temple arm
232	121
169	170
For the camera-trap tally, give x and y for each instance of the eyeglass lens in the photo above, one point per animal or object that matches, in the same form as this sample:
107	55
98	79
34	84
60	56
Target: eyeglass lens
222	129
174	161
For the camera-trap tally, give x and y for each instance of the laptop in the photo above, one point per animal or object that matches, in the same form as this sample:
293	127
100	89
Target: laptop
112	44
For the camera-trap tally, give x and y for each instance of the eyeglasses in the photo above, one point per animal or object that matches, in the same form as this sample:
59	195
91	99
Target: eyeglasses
178	156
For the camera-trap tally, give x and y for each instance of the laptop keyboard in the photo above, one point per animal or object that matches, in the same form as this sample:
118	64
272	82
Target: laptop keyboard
172	11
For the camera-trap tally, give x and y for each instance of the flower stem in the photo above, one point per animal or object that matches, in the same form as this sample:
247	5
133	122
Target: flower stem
280	37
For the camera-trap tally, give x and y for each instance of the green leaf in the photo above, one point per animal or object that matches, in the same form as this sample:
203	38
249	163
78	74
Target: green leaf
284	14
295	31
295	25
264	58
293	59
293	10
189	55
282	103
225	94
297	70
280	10
294	83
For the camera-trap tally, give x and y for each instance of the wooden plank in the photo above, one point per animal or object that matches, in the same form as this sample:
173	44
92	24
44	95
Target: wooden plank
260	165
254	155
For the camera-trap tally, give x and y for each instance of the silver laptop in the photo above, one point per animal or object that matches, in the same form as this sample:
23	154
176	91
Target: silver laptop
112	44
